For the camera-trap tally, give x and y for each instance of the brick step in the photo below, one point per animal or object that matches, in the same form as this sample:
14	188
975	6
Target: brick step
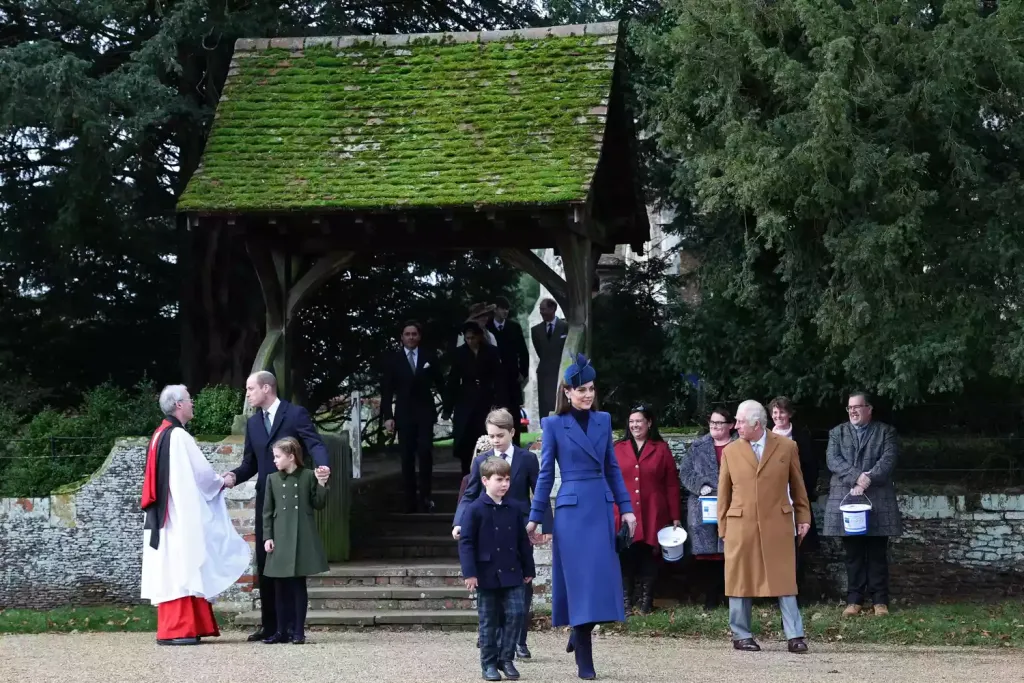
363	598
407	547
420	523
451	619
406	573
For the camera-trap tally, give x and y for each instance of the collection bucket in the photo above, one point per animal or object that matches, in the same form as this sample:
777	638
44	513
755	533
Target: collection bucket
709	509
855	516
671	541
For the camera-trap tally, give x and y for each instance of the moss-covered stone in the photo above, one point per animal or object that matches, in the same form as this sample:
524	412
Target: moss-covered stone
425	123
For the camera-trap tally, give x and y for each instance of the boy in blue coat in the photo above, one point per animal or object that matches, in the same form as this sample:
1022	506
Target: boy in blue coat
497	562
523	479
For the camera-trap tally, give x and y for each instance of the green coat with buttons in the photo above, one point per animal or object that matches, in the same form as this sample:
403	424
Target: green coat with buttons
288	505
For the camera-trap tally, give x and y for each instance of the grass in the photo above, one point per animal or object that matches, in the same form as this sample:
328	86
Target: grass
985	625
78	619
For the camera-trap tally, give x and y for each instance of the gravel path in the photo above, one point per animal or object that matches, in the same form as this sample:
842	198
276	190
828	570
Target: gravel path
382	657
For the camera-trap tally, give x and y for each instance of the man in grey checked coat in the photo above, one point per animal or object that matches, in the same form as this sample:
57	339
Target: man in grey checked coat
862	455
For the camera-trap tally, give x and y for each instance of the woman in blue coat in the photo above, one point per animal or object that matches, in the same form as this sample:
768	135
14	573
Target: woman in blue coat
586	581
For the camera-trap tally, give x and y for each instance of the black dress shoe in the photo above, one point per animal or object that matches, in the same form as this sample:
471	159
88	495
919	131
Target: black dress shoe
798	646
570	647
258	635
746	645
510	671
491	674
275	639
177	641
523	652
298	640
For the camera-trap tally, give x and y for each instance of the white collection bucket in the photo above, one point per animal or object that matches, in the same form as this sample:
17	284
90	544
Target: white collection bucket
855	516
709	509
671	541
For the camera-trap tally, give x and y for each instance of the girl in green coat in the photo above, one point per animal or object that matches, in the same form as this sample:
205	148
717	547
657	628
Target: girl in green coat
292	543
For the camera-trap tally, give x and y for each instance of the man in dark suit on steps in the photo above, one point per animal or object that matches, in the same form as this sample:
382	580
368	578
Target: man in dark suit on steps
515	358
410	376
273	420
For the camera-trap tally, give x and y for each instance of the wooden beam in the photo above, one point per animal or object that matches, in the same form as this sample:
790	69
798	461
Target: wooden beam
578	262
528	262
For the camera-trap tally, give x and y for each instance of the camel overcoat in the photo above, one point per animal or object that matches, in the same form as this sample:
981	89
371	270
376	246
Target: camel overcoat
756	519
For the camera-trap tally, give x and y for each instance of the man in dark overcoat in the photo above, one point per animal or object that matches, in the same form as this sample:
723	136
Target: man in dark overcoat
273	420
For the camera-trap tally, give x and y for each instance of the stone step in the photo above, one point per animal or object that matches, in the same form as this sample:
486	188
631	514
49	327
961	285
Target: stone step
452	619
404	573
446	500
407	547
363	598
420	523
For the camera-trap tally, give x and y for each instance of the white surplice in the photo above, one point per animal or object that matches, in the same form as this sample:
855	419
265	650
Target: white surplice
200	552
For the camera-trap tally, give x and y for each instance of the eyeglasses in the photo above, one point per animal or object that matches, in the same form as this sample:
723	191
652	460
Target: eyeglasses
718	423
854	409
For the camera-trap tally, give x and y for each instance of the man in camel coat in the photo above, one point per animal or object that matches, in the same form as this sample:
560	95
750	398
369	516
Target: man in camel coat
760	485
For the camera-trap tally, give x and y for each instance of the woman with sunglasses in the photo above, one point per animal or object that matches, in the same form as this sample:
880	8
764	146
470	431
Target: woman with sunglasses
652	481
699	476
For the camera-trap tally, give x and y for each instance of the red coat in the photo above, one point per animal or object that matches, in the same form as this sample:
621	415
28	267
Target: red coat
653	485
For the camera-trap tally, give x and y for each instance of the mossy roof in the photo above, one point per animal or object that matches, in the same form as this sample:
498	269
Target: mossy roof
413	121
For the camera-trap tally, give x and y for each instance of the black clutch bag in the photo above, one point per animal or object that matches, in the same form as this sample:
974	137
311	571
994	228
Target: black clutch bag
623	539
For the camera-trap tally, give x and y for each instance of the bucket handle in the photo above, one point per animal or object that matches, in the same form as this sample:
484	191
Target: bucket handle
863	495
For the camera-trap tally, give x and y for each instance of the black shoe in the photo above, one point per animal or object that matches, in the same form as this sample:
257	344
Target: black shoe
177	641
510	671
746	645
570	647
427	506
275	639
523	652
491	674
258	635
298	640
798	646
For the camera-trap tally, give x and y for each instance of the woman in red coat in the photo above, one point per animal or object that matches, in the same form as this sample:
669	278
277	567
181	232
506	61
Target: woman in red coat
652	480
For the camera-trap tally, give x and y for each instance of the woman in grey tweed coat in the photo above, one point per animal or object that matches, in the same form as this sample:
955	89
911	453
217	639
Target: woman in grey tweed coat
698	473
862	455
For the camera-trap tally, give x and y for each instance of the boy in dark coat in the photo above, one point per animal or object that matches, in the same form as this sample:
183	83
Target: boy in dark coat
523	479
497	562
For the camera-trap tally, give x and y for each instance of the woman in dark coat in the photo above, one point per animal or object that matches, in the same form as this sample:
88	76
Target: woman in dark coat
586	584
782	411
698	473
473	388
652	481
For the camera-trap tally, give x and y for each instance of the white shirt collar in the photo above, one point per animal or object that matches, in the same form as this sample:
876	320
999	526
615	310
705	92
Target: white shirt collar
761	442
272	410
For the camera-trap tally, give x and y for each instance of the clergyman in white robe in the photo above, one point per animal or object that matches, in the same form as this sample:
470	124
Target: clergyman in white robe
198	554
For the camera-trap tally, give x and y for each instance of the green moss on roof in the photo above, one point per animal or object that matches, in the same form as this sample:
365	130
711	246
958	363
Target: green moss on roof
428	123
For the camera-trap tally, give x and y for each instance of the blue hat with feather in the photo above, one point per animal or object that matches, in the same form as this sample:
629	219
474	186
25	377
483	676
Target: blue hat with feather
579	373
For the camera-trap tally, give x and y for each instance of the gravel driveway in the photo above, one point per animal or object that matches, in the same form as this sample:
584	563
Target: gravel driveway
383	657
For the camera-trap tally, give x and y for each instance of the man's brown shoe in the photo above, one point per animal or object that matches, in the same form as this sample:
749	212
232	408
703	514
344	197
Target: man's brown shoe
851	610
798	646
881	611
746	645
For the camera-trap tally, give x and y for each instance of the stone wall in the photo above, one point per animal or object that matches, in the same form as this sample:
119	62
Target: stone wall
83	546
965	547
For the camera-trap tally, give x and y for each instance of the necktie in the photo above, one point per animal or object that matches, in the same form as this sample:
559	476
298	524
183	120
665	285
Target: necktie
551	328
757	450
266	421
412	360
505	456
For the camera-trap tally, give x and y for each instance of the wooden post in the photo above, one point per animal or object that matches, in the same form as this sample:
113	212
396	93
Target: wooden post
284	294
578	262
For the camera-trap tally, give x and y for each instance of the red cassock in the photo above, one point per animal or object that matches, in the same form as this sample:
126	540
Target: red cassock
653	484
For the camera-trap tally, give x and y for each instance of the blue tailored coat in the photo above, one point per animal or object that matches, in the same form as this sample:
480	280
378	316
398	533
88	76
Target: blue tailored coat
523	481
586	581
494	546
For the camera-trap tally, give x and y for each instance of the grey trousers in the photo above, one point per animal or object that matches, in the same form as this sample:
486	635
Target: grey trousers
739	617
